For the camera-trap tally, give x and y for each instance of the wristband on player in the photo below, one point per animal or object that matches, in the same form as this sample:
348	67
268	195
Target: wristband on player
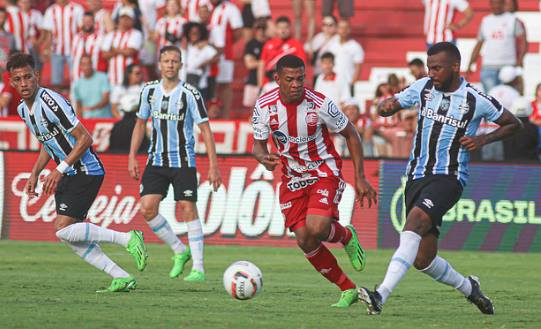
62	166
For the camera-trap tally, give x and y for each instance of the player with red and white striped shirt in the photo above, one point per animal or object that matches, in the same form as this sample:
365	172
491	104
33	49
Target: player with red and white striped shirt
18	24
439	16
121	47
300	122
87	42
61	23
102	17
191	9
169	28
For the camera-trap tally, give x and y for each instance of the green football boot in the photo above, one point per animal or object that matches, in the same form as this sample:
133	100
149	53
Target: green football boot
179	261
348	298
121	285
136	247
355	252
195	276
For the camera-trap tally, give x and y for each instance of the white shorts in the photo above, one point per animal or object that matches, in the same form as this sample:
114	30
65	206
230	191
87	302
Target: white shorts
226	68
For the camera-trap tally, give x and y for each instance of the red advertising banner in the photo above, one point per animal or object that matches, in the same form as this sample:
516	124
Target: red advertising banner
245	210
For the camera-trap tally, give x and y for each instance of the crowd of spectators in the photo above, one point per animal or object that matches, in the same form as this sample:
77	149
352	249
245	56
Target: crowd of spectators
102	57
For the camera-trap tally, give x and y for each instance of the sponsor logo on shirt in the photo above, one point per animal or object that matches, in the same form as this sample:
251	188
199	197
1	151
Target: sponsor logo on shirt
307	167
167	116
299	184
48	136
431	114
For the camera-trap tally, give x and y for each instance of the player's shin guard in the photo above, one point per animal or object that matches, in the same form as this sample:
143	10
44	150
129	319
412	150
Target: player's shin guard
93	255
339	233
163	230
196	240
400	262
325	263
441	271
88	232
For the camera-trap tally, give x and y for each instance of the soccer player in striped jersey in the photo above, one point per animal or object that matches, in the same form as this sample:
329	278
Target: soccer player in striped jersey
175	107
78	177
300	121
450	110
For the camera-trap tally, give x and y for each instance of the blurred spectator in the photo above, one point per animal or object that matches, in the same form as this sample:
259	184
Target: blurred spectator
319	44
309	12
9	97
35	33
348	55
198	57
254	11
123	97
345	8
121	47
395	83
60	24
329	83
361	122
168	29
190	9
18	24
501	36
252	54
148	55
91	92
7	41
274	49
511	6
439	17
417	68
524	144
227	17
87	42
102	17
137	14
214	106
535	117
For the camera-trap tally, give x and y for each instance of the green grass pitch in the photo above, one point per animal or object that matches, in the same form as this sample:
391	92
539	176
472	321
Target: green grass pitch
44	285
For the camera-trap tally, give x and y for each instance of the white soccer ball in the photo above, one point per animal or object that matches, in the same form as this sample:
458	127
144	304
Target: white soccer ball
243	280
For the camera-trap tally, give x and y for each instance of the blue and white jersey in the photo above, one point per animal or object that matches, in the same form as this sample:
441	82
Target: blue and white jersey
173	117
443	119
51	119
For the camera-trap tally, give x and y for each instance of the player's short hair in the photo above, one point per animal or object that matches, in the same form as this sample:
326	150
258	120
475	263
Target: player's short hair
88	13
18	60
169	48
3	9
289	61
327	55
416	62
449	48
283	19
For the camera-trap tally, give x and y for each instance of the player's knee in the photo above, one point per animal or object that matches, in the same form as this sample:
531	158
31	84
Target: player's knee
63	232
318	228
148	212
418	221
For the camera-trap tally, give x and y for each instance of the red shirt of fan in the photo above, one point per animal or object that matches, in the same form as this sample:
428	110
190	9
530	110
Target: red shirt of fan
276	48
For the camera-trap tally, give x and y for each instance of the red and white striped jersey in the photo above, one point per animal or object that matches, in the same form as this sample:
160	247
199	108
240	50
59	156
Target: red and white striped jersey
85	44
191	9
36	22
121	40
173	25
228	17
301	132
18	24
63	22
439	14
99	21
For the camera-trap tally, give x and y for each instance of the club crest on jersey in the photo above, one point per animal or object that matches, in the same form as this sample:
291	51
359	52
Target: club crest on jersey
311	119
180	103
273	109
464	108
279	137
445	104
165	104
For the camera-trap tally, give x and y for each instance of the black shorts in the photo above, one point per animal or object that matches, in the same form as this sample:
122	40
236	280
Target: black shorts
433	194
75	194
156	180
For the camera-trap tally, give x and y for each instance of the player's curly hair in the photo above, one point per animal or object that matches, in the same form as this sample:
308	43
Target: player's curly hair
18	60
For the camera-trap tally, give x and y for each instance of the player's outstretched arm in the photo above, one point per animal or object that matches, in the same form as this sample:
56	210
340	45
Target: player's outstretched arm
41	162
362	187
215	179
509	124
262	155
136	139
389	107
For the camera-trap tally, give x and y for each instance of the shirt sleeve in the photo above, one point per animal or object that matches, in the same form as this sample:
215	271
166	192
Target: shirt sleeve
461	5
196	106
105	84
48	20
136	40
519	28
358	54
260	123
481	33
235	18
411	95
489	107
332	117
60	110
144	103
107	42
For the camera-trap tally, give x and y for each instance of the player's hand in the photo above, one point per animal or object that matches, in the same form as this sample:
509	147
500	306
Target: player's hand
270	161
51	182
473	143
215	179
388	106
133	168
365	190
30	187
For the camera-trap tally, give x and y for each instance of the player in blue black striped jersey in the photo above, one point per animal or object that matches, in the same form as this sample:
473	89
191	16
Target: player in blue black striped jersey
77	178
450	110
175	107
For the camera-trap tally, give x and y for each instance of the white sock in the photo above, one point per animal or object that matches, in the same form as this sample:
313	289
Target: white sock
93	255
401	261
441	271
196	239
89	232
163	230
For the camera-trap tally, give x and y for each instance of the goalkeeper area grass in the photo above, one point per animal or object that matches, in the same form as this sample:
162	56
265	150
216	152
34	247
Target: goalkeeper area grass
45	285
